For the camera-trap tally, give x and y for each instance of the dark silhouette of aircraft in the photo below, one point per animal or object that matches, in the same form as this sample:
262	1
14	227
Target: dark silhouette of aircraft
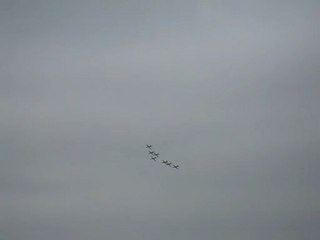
154	156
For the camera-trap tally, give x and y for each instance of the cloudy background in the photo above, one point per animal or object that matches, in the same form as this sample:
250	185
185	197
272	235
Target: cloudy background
227	89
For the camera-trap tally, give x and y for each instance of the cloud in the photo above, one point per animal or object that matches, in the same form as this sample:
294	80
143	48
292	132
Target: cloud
227	90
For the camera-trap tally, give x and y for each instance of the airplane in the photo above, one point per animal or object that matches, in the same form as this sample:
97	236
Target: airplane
149	146
168	163
175	166
151	152
153	158
165	162
156	154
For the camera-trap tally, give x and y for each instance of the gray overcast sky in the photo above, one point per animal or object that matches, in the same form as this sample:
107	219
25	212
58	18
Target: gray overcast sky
227	89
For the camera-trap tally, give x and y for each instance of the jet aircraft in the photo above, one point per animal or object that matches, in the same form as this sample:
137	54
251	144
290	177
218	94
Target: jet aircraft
149	146
151	152
165	162
156	154
168	163
153	158
176	166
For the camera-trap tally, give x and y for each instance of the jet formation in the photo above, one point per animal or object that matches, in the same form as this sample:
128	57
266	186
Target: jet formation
154	156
